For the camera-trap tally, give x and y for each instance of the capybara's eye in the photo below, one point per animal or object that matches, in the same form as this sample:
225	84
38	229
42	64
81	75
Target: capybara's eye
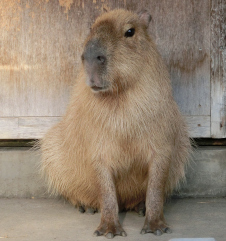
130	32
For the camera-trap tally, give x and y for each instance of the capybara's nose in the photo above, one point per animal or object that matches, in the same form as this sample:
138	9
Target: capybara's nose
94	53
101	59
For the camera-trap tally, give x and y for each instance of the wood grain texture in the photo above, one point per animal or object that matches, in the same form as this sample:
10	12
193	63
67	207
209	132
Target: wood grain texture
218	69
26	127
199	126
39	56
41	43
36	127
183	40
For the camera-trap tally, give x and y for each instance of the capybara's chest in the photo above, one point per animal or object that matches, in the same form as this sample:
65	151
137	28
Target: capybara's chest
131	184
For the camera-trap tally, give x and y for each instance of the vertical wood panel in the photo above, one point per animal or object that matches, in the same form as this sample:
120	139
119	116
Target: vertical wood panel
39	55
182	32
218	68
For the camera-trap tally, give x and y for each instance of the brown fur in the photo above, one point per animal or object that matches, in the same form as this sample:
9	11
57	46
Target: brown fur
129	143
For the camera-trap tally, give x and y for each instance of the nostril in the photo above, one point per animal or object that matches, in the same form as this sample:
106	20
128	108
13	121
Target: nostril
82	57
101	59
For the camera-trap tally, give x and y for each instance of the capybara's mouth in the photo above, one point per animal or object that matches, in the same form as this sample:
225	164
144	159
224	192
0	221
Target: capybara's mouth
97	88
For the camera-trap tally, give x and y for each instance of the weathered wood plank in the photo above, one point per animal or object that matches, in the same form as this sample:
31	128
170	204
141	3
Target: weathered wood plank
182	36
40	49
26	127
36	127
218	69
8	128
199	126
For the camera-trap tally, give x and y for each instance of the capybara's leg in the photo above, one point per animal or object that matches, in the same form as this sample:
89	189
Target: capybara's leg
109	225
158	174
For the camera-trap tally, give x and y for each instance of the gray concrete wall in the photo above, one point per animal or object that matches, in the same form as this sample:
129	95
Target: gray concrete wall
19	177
206	175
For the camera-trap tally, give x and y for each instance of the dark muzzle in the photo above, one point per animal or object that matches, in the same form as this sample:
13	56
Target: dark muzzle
95	61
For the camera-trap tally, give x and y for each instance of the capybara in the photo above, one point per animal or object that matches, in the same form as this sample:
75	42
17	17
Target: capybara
122	141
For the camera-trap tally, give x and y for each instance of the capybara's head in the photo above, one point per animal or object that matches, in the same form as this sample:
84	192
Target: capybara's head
116	50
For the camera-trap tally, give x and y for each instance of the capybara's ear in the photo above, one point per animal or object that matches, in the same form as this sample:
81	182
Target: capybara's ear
145	17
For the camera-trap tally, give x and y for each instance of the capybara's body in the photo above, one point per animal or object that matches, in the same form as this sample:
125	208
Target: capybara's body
122	140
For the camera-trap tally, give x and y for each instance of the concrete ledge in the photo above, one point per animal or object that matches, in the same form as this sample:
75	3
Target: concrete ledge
19	177
206	175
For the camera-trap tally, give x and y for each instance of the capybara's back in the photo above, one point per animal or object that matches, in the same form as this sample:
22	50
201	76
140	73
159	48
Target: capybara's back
122	140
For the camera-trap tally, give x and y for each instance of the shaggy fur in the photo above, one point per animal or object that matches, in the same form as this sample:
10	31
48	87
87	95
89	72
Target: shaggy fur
126	144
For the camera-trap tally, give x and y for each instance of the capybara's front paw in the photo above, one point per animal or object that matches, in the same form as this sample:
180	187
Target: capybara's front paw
157	227
110	230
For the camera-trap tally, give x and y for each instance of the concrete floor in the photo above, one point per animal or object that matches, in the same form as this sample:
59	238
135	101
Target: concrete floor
51	219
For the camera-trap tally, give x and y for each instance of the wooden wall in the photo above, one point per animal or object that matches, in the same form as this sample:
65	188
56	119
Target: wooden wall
41	43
